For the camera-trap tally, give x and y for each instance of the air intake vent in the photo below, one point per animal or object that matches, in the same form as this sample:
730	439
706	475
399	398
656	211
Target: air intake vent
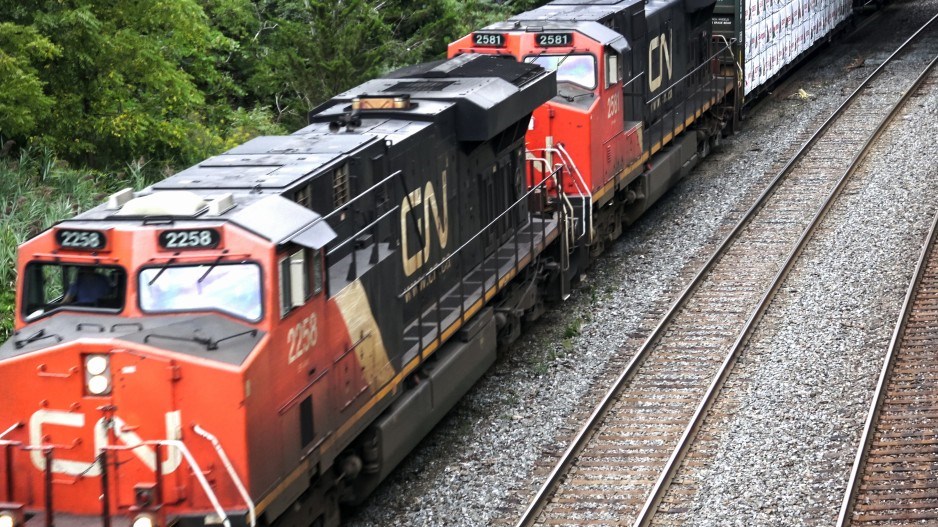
419	86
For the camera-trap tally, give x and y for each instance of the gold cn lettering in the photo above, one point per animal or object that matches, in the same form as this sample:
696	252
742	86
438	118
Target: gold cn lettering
431	209
659	43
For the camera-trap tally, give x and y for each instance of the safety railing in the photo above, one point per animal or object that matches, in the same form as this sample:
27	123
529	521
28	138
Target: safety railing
381	192
48	457
700	85
252	518
582	189
539	193
103	464
102	461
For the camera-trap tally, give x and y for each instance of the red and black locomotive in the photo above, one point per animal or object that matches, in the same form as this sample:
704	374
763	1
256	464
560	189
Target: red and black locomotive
266	334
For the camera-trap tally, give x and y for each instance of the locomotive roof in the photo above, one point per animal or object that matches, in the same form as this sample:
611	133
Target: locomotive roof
575	11
582	16
487	95
559	15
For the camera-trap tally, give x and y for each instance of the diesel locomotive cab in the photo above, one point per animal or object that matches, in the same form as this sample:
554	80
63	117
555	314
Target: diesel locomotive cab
639	102
590	61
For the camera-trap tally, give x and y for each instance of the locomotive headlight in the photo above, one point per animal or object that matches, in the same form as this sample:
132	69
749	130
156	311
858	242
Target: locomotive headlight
11	518
95	365
98	385
144	520
97	375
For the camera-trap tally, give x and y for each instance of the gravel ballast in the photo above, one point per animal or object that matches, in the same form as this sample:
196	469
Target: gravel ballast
782	440
480	465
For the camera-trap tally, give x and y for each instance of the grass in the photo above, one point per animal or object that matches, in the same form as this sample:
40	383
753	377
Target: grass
542	363
36	191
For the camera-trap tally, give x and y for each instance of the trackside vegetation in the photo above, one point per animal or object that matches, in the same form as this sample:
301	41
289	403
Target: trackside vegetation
99	95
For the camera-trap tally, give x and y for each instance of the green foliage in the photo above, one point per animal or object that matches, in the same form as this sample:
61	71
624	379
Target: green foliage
105	82
22	100
127	79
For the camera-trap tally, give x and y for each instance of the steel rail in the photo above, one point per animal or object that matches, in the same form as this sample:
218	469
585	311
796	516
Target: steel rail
661	487
536	505
879	395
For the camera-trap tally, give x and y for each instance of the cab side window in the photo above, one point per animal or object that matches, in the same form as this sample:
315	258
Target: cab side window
300	278
317	271
612	69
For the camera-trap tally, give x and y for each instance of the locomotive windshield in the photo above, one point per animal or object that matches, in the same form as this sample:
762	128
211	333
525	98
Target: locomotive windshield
53	286
231	288
575	69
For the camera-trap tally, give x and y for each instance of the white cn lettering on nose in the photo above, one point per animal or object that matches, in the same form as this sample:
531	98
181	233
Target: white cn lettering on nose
145	454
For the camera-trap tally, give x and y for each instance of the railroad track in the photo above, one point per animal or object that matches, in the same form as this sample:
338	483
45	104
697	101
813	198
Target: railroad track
620	464
894	480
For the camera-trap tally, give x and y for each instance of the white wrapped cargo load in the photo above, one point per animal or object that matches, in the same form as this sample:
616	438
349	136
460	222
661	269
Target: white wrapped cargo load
778	31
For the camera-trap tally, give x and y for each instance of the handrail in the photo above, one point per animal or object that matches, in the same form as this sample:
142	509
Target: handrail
587	211
706	63
345	206
231	471
13	427
196	470
363	230
728	47
359	196
584	191
543	183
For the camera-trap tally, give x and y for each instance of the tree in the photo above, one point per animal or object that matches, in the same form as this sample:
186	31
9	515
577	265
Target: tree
23	103
130	79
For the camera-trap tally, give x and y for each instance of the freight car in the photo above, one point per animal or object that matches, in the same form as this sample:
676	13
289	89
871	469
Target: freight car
265	335
772	36
641	98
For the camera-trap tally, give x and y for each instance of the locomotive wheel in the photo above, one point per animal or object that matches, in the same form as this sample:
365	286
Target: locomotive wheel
703	148
716	141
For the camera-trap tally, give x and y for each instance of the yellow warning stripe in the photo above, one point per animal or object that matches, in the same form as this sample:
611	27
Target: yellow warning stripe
610	186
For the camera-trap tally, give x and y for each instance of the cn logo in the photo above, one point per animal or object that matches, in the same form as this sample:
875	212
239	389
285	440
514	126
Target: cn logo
145	454
426	198
659	52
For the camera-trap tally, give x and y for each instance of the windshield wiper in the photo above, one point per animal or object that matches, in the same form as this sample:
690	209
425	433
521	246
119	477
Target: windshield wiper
571	98
204	341
209	343
210	268
35	337
162	269
565	57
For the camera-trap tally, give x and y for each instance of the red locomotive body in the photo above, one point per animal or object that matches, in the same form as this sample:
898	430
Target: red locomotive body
583	127
265	335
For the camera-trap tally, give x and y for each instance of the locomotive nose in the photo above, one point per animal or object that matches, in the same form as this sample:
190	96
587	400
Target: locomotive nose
89	422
